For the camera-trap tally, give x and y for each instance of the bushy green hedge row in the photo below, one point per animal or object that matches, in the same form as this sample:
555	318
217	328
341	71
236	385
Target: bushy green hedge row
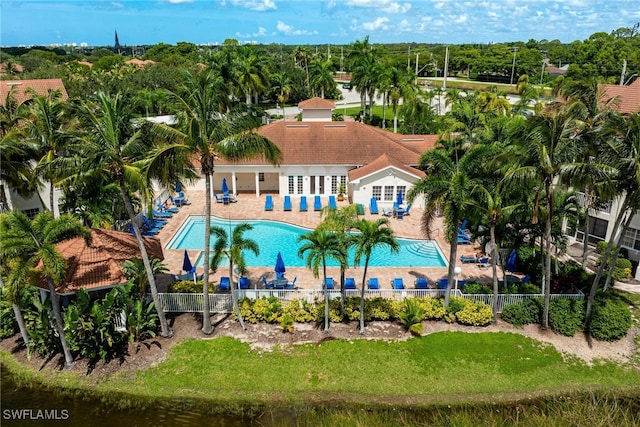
186	287
272	310
610	320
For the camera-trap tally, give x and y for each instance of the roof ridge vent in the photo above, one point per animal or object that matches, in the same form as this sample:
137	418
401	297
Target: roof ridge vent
297	126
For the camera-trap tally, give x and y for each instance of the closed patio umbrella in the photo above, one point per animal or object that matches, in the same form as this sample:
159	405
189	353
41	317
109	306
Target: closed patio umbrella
399	198
280	268
187	266
225	187
511	262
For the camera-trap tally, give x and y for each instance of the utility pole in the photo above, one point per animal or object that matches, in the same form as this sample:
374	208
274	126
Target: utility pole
446	68
417	56
409	58
624	71
513	67
341	58
544	53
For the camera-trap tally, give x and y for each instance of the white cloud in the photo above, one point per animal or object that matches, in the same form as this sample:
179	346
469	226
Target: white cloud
387	6
117	4
378	24
461	19
262	32
438	5
290	30
257	5
492	14
180	1
405	26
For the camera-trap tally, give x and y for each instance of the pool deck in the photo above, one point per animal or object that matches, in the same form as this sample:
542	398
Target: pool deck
249	206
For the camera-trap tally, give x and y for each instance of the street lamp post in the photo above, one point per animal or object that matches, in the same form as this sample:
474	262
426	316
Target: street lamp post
513	66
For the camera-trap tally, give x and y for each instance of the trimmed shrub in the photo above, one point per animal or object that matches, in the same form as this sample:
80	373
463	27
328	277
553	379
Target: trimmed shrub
476	288
475	314
186	287
566	316
433	308
529	311
411	316
610	319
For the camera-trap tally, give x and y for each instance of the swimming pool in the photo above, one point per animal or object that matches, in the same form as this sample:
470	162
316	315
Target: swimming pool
273	237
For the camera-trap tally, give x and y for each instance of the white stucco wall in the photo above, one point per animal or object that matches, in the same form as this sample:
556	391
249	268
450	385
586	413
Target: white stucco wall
362	191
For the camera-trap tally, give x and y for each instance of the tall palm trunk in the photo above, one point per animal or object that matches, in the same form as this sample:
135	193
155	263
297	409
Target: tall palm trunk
326	296
364	280
51	193
207	328
165	331
453	255
384	109
594	285
234	300
547	288
614	259
585	244
494	268
19	318
59	324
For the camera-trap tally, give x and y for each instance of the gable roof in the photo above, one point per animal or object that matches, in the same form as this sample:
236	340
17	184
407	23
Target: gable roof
316	103
383	162
339	143
19	89
98	265
627	98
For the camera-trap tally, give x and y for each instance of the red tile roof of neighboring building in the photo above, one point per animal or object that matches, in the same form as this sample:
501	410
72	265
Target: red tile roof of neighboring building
19	89
340	143
317	103
98	265
383	162
627	98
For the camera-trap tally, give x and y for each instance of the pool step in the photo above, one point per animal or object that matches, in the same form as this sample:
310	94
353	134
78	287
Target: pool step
424	249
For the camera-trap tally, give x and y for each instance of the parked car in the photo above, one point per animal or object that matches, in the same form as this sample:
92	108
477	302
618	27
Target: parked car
346	85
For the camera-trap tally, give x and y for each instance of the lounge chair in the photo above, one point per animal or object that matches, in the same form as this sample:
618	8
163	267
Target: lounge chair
464	240
397	283
525	279
399	214
225	284
360	209
303	203
462	229
156	222
467	259
287	203
372	283
387	212
373	206
461	284
422	283
484	262
442	283
329	282
317	203
350	283
169	209
268	203
218	198
243	283
159	214
406	211
332	202
291	285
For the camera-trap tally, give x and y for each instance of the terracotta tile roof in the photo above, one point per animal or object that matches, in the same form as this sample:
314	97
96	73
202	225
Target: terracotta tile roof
99	265
627	98
383	162
16	67
42	87
139	62
339	143
317	103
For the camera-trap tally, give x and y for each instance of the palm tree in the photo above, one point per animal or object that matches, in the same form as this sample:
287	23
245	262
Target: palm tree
251	72
113	149
47	125
134	270
33	242
371	235
232	250
546	153
319	246
282	83
210	134
447	186
401	87
321	76
362	61
15	157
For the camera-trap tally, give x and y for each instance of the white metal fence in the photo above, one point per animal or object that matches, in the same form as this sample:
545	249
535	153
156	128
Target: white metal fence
221	302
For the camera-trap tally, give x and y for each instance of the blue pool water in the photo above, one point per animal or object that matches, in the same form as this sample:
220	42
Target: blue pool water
273	237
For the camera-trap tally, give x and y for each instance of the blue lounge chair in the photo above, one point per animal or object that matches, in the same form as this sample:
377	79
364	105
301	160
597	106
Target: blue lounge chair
225	284
350	283
462	229
387	212
360	208
399	214
329	282
406	211
332	202
267	285
397	283
303	203
243	283
525	279
317	203
372	283
218	198
373	206
159	214
422	283
484	262
291	285
464	240
287	203
155	222
442	283
168	210
268	203
461	284
467	259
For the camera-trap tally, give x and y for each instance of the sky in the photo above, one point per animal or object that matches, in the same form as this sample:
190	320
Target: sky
307	22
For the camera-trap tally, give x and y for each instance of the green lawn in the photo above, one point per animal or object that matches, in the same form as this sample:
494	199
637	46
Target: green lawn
447	367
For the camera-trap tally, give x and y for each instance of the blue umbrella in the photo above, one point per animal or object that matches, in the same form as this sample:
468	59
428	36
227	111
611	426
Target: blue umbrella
225	187
280	269
186	263
399	200
511	262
